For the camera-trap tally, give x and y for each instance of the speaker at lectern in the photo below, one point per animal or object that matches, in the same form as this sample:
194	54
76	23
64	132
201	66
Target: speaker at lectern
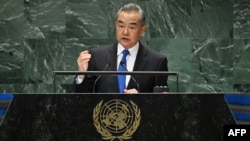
133	74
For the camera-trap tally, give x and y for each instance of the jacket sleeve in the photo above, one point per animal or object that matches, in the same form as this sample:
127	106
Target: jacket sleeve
85	87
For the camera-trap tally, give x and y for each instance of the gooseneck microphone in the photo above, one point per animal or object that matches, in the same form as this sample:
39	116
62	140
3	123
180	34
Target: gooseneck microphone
132	77
99	76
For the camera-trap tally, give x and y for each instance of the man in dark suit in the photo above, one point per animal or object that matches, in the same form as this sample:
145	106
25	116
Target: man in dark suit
130	26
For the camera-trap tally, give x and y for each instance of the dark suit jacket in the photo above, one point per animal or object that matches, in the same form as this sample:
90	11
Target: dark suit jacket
146	60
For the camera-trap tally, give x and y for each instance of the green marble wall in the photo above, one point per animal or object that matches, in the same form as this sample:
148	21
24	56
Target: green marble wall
206	41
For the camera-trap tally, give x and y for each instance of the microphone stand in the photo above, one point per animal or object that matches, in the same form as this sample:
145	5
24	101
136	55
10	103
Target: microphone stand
99	76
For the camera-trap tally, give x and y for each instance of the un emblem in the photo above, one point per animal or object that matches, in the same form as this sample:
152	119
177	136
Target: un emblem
116	119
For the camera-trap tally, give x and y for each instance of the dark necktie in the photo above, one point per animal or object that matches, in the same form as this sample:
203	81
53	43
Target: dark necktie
122	67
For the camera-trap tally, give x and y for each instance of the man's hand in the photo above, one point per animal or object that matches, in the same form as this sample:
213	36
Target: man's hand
130	91
83	62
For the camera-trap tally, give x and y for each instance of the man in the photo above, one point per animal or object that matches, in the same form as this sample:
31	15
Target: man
130	26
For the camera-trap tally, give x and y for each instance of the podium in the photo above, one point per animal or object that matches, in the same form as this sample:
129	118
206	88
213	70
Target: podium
95	117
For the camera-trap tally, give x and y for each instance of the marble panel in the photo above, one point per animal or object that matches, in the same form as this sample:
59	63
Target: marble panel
41	58
206	41
212	64
11	62
241	19
46	17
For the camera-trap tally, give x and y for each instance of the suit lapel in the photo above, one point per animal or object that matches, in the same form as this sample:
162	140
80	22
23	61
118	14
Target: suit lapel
113	58
141	59
140	63
113	62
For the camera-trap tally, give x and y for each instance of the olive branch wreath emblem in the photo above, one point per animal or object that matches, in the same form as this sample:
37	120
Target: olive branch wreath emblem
106	135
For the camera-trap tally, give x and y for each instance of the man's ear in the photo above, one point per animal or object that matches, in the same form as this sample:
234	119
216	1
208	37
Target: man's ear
143	29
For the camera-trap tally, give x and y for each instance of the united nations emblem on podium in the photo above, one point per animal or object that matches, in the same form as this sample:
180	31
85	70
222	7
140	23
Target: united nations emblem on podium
116	119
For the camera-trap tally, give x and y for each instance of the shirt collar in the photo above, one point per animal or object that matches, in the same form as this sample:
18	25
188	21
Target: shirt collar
132	51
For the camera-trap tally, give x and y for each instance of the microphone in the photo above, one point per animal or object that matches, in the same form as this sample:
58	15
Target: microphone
132	77
99	76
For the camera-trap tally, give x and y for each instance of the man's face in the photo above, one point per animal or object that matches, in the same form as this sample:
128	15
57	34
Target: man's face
129	28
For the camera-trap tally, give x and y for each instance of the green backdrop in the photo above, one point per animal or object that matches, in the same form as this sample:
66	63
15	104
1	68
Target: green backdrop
206	41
